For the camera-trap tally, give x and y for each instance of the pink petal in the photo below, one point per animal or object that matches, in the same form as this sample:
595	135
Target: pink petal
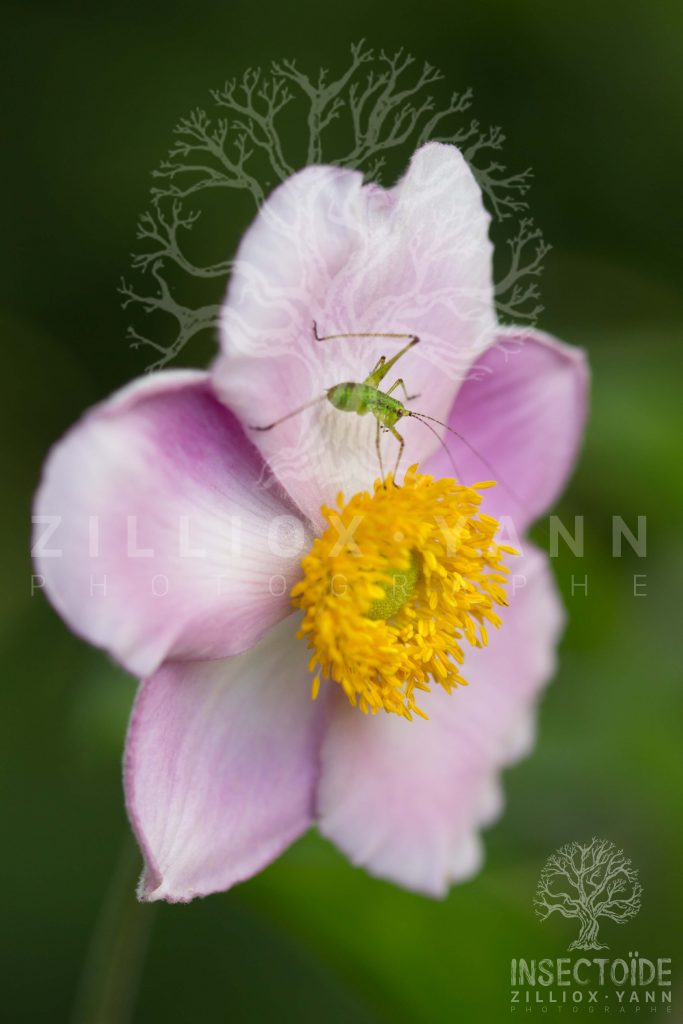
220	767
523	411
406	799
415	259
162	544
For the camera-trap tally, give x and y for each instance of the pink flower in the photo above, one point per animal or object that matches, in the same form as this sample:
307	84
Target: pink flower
178	534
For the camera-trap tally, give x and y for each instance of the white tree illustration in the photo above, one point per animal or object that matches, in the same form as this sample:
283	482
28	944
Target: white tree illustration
589	881
379	105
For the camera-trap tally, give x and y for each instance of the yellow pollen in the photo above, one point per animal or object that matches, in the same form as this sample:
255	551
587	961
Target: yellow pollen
397	581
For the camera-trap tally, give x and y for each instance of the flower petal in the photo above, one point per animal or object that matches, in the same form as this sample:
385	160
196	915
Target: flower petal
165	542
220	767
406	799
522	410
414	259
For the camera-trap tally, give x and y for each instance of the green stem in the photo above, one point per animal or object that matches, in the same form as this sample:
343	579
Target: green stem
113	964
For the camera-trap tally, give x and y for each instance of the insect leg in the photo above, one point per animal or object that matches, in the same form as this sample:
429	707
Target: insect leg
400	383
402	445
378	446
295	412
383	364
361	334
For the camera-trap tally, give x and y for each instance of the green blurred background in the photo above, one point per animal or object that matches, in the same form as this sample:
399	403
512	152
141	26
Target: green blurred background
591	96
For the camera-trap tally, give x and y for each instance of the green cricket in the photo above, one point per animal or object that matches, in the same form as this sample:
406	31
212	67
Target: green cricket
362	397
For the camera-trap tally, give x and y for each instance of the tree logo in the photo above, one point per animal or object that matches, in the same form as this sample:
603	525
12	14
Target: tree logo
261	128
589	881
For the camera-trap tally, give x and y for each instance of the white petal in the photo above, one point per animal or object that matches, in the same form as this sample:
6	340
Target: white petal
167	539
521	414
221	765
415	259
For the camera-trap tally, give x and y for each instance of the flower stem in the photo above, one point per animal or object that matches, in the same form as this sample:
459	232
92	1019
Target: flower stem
113	963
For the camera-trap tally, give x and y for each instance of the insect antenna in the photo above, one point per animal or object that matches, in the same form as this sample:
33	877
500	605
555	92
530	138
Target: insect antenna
439	439
295	412
423	417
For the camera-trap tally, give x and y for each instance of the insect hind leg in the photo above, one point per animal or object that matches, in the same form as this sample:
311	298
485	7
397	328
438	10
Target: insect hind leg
362	334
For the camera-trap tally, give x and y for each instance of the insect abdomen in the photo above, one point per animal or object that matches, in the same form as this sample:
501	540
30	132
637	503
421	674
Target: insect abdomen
349	397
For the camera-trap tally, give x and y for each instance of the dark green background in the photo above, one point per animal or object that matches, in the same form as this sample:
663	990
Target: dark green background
591	96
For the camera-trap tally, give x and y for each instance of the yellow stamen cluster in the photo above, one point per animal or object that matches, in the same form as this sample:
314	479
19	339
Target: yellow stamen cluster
397	580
